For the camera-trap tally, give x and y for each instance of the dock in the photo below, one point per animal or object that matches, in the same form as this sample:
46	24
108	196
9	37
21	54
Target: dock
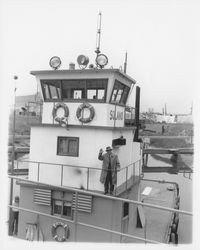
175	168
168	151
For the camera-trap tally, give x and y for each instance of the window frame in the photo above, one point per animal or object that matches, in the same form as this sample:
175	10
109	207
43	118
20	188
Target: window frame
62	208
47	83
68	154
122	95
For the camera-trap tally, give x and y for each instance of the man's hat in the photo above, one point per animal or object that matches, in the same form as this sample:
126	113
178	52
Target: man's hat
108	148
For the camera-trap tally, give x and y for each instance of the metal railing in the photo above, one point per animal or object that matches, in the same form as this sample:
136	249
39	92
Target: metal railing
76	222
130	171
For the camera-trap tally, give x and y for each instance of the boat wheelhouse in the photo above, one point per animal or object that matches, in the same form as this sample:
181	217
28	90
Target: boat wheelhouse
63	198
83	111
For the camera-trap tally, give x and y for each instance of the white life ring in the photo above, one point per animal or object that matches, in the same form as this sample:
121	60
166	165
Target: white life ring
54	231
81	108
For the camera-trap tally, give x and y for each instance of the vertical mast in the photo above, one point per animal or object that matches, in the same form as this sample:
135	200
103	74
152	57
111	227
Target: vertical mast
97	51
137	114
125	62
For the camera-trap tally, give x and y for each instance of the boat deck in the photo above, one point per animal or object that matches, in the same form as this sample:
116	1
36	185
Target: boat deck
155	222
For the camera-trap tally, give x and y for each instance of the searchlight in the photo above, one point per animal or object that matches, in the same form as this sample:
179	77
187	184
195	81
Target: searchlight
101	60
82	61
55	62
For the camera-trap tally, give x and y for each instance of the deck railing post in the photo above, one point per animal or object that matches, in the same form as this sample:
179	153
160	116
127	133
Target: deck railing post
126	177
61	181
145	230
88	178
75	216
38	172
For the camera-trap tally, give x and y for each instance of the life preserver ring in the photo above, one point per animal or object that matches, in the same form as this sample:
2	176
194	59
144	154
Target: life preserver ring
66	112
54	231
81	108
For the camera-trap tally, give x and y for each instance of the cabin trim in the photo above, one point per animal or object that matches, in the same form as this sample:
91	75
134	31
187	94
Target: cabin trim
80	71
85	126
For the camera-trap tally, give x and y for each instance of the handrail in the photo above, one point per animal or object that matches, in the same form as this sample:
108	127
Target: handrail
133	165
86	225
75	220
104	196
68	165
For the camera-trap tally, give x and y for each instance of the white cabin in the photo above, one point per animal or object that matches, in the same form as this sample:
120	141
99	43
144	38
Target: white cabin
66	153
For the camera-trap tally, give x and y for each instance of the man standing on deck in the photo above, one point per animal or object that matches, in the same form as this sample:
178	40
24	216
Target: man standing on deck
110	167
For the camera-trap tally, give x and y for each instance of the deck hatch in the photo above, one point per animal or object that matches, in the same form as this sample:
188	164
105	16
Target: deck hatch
84	203
42	196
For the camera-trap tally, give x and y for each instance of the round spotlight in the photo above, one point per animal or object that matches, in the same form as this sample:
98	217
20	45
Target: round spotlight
101	60
82	61
55	62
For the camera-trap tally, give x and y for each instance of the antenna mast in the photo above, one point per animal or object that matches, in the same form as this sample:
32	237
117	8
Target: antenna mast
97	51
125	63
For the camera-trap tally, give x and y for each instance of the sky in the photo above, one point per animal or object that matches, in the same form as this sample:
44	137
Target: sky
160	37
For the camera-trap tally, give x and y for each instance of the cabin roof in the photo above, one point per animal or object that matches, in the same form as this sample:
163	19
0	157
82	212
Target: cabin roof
81	71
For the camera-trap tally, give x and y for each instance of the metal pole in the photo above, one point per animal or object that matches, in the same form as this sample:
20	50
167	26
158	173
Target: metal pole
126	177
75	216
13	135
88	178
38	230
61	181
137	113
145	231
125	63
13	159
133	172
115	116
98	37
38	172
28	114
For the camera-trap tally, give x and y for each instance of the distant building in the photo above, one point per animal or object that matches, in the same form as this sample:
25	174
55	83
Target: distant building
174	118
165	118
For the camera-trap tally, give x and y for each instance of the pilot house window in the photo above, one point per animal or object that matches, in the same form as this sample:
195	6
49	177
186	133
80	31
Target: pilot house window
68	146
120	93
51	89
79	89
73	89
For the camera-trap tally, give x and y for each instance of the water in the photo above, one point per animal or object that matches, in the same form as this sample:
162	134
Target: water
185	188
